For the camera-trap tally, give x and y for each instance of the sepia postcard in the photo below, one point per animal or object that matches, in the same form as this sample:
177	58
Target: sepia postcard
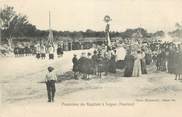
90	58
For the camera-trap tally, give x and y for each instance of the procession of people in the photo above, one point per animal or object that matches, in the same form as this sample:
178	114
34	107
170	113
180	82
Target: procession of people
105	61
40	51
139	56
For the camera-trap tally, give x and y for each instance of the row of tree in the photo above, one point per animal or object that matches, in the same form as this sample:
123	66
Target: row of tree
17	25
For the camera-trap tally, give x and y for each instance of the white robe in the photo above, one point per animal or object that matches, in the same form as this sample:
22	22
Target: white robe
137	70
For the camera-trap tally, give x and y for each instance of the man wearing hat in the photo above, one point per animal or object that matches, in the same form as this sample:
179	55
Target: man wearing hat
50	80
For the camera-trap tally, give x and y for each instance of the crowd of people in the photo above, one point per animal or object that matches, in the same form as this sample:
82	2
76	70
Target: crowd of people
169	59
139	56
23	51
165	56
102	60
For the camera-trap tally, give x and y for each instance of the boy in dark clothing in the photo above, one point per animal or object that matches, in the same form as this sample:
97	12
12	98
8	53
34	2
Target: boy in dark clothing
75	66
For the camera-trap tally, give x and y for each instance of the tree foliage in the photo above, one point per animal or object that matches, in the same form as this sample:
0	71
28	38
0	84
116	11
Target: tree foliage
15	25
177	33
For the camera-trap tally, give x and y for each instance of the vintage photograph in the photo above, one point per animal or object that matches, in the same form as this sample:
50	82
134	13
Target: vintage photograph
118	56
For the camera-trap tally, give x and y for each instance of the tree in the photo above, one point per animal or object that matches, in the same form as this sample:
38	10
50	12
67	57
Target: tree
178	32
178	26
159	34
15	25
6	15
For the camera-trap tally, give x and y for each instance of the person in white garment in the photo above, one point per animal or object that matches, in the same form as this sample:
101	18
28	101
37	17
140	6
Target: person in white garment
137	70
43	52
51	52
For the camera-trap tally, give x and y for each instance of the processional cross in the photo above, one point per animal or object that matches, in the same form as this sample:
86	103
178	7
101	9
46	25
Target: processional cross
107	19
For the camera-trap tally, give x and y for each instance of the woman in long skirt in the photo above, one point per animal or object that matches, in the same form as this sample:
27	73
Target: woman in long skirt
137	71
129	63
75	66
143	63
112	66
178	65
171	60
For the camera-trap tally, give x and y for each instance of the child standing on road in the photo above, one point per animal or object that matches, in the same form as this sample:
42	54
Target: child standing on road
50	80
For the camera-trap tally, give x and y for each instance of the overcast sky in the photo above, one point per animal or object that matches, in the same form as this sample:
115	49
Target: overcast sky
88	14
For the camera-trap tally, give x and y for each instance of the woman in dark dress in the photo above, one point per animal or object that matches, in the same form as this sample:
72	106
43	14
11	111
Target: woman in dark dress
171	60
143	63
129	63
95	64
100	62
85	66
59	51
148	58
112	65
158	63
75	66
178	64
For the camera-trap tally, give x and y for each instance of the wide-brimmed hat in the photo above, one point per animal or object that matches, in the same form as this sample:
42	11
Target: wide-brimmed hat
50	68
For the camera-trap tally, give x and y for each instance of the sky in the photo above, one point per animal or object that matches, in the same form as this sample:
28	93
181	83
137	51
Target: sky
79	15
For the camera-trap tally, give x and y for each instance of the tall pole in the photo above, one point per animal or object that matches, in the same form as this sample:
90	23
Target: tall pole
49	20
50	37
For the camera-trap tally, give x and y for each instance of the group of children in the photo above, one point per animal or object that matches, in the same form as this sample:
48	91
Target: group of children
23	51
41	51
